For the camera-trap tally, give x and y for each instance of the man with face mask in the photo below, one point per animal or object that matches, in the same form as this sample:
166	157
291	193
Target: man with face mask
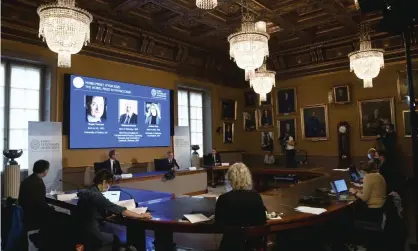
32	197
91	209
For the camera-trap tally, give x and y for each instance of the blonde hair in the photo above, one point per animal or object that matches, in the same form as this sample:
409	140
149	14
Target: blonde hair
239	177
371	150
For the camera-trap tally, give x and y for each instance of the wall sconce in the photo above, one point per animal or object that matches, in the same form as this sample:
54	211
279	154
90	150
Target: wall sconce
330	97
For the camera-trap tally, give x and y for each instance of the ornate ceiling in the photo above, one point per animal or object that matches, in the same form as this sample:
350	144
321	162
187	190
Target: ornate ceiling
307	36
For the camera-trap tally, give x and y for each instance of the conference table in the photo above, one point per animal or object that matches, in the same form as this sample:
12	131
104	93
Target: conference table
196	181
214	170
168	210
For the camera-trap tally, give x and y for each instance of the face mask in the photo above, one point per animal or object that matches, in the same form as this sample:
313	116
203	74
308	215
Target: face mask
106	187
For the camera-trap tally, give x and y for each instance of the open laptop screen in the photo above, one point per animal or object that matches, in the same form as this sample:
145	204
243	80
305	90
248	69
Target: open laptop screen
340	186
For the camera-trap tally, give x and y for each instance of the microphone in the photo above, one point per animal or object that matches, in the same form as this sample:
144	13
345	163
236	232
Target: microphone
128	193
72	184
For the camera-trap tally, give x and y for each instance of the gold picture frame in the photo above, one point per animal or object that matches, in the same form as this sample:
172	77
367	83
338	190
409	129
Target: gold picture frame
228	109
406	119
228	132
250	99
268	102
292	107
370	121
267	141
263	121
251	126
402	85
317	118
281	128
341	94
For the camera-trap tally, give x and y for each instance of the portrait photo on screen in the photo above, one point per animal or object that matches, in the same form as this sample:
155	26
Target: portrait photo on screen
95	109
128	112
152	113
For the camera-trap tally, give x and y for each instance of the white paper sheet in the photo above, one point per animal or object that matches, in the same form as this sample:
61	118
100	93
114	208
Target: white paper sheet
66	196
195	218
139	210
225	164
129	204
192	168
311	210
126	176
341	170
112	196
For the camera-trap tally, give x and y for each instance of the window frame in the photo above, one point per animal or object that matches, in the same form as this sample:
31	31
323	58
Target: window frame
188	91
8	63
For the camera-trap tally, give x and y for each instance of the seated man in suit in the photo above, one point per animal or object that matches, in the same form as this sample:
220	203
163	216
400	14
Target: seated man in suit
32	197
171	162
112	164
214	158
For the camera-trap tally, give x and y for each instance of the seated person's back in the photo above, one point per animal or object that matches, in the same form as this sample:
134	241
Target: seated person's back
32	197
241	207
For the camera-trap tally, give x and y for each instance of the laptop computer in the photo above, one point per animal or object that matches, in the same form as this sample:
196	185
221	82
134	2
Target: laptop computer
112	196
341	189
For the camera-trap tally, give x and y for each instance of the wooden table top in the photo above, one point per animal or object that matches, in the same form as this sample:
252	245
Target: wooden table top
158	175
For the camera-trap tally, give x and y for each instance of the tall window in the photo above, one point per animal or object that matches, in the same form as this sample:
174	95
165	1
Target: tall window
21	83
190	109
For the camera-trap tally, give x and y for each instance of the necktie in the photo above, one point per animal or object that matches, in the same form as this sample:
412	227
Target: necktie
127	120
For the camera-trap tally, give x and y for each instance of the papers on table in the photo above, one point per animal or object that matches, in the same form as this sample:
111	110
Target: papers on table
66	196
196	218
341	170
112	196
225	164
311	210
192	168
126	175
139	210
128	204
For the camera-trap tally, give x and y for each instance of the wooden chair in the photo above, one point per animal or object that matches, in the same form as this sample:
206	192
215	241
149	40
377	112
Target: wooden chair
250	233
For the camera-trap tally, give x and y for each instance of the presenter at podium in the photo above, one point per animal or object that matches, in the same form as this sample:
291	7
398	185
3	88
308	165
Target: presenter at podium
112	164
214	158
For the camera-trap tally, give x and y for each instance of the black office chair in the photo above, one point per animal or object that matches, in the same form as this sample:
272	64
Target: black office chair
255	237
160	164
97	166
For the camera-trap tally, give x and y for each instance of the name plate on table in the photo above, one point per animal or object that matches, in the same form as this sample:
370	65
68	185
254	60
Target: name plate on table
225	164
66	196
192	168
126	176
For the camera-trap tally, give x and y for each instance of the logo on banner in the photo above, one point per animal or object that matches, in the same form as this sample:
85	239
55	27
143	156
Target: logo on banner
78	82
35	144
44	145
153	92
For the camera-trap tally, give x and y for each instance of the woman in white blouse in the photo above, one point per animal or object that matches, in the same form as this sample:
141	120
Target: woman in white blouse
269	158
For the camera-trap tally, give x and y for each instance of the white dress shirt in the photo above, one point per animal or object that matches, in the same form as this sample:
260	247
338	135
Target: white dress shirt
111	165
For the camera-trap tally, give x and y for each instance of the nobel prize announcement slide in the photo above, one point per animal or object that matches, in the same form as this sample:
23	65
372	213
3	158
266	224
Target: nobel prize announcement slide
110	114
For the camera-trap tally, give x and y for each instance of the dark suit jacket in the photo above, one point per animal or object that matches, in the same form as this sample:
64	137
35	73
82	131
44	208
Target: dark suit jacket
166	165
91	209
239	208
116	167
211	161
32	200
132	121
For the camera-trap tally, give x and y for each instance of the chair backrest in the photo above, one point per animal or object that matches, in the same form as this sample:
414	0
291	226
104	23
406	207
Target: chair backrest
159	165
16	228
250	233
98	166
206	160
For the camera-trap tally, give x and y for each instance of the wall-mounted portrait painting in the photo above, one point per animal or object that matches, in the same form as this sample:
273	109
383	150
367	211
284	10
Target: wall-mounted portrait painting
267	141
228	131
250	99
402	85
374	115
286	101
265	117
341	94
314	120
249	120
406	117
269	100
229	109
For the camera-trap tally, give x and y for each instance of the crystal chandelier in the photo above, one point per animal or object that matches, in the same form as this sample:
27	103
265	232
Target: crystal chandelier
249	46
367	61
263	81
206	4
65	28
